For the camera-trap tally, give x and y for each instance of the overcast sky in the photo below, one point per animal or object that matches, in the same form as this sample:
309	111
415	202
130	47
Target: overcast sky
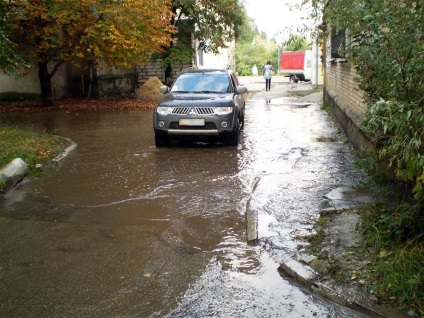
275	17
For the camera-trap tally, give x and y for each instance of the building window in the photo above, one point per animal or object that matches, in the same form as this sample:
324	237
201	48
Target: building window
338	44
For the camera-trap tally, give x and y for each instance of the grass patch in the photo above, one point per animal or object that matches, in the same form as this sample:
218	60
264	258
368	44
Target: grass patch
388	260
2	183
28	145
315	241
393	239
326	107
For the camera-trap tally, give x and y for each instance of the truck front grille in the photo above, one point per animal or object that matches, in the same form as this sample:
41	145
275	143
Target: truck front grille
197	110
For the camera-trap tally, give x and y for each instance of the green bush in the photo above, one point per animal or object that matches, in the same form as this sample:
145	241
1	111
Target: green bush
397	128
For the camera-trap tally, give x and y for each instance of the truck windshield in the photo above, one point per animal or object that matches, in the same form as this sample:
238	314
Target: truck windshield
202	83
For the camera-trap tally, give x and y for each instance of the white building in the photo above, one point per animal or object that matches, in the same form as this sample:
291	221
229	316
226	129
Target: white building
226	57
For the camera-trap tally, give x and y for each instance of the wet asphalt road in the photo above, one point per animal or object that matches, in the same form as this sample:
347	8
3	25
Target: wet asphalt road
122	229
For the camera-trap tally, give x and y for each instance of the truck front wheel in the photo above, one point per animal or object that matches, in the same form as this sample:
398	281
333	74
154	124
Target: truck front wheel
161	141
233	139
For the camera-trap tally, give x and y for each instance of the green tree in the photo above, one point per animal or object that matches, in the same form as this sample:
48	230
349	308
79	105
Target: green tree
10	60
48	33
215	24
253	48
296	43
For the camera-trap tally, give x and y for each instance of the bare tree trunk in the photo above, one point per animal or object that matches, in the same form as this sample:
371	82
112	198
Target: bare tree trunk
168	72
46	84
90	79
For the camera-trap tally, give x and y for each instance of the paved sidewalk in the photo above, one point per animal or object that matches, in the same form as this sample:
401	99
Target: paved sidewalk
280	85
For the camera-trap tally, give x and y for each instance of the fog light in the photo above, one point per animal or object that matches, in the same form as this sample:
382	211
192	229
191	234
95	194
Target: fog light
224	124
161	124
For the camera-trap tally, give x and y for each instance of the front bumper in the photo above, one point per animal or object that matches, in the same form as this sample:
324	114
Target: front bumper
216	126
191	132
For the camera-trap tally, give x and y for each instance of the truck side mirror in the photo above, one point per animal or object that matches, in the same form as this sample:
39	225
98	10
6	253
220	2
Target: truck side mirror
241	89
164	89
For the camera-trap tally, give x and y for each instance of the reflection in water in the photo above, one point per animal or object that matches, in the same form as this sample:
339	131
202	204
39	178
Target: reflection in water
220	292
285	177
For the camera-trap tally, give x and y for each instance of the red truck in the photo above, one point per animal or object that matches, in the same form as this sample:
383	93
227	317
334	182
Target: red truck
296	65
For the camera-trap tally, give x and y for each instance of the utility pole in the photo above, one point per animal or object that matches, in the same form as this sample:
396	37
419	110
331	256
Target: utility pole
278	59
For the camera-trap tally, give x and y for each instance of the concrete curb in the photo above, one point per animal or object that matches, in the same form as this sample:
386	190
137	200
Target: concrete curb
300	271
309	279
72	145
17	169
12	173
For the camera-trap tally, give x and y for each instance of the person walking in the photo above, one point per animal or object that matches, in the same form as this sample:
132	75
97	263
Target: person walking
254	70
267	73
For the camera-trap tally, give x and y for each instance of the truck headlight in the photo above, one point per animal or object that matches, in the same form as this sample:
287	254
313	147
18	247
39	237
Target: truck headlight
165	110
223	110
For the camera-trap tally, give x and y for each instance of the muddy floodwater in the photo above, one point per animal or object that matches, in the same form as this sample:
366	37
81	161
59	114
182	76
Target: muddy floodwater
122	229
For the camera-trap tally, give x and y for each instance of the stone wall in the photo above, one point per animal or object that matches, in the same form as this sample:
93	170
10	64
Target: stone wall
121	82
113	81
342	94
154	69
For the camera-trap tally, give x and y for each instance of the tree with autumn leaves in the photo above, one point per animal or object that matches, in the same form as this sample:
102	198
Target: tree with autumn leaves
51	32
121	33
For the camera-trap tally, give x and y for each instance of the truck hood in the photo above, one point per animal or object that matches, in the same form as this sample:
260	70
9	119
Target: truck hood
172	99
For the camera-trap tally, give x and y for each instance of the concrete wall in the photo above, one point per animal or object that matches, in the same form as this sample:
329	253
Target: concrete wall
30	84
27	84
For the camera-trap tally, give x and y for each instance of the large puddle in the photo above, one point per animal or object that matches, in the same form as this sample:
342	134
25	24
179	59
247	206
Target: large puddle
122	228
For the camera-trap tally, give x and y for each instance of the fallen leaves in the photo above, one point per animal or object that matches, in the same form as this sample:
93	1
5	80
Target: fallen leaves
78	104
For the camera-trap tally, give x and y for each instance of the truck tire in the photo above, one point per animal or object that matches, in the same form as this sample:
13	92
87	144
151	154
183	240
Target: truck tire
233	139
293	79
161	141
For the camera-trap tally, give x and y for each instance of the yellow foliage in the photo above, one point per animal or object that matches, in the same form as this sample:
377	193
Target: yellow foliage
119	32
